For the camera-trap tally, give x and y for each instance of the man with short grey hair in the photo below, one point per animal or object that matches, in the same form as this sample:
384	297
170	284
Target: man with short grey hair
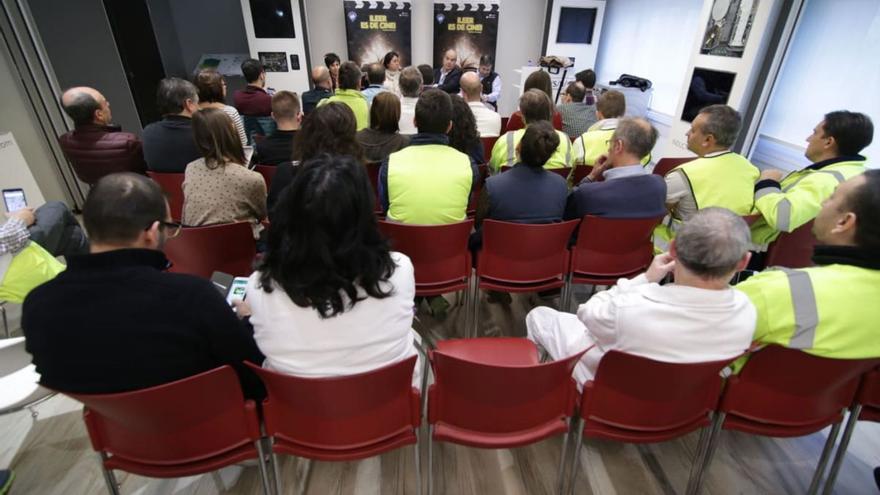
169	144
697	318
410	82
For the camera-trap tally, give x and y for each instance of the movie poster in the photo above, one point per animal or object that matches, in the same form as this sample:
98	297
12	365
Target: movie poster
471	29
376	28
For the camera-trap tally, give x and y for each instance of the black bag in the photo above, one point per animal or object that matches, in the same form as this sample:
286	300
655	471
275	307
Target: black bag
631	81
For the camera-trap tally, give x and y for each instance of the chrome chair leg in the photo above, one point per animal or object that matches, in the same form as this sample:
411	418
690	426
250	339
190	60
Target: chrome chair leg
823	459
841	448
475	332
5	322
430	460
264	473
711	445
418	462
699	456
575	463
109	477
560	488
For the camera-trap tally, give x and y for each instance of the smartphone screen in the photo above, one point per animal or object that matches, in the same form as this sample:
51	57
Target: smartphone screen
237	290
14	199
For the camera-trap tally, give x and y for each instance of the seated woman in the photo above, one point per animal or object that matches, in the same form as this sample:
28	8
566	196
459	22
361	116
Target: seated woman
464	135
331	129
382	137
526	193
212	94
329	298
536	80
218	188
392	72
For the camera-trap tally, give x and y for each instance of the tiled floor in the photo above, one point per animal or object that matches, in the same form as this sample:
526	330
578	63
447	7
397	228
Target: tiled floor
52	455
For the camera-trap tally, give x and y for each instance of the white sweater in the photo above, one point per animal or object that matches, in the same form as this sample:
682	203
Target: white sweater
375	333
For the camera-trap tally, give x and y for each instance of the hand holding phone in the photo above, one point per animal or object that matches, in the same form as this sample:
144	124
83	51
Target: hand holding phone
14	199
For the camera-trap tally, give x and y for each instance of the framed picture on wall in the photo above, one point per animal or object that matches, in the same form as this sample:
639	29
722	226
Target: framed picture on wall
708	87
728	27
273	61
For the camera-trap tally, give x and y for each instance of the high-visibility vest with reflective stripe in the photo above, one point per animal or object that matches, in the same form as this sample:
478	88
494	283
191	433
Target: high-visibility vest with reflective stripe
356	101
594	143
32	266
799	199
726	180
504	151
428	184
828	311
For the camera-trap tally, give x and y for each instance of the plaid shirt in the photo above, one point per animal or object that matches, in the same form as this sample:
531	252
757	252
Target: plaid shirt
576	117
14	236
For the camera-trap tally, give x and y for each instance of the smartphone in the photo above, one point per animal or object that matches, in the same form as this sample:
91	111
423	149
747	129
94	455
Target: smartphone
237	291
14	199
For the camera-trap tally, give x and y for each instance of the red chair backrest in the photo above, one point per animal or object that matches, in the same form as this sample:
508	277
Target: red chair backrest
794	249
869	396
172	184
439	253
613	247
580	172
341	413
373	175
792	389
267	171
488	144
179	422
750	219
634	398
665	165
524	253
201	251
563	172
500	399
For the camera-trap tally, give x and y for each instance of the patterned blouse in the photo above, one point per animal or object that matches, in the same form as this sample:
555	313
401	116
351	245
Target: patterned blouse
226	194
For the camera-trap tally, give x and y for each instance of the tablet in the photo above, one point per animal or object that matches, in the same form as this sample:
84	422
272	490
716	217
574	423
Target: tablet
14	199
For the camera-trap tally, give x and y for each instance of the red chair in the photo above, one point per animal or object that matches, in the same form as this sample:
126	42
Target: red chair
342	418
183	428
785	392
580	172
794	249
172	184
515	122
488	144
373	174
439	254
267	171
563	172
611	248
519	257
493	393
639	400
477	190
665	165
201	251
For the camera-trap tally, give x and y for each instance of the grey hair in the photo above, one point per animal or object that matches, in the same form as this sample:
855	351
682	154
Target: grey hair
712	242
410	82
723	122
637	134
172	94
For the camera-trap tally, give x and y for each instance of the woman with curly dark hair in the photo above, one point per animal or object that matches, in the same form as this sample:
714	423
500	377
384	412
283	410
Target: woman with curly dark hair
329	297
464	135
330	128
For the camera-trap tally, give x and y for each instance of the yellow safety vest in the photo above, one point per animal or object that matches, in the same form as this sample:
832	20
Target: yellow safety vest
799	199
829	311
32	266
356	101
594	142
428	184
504	151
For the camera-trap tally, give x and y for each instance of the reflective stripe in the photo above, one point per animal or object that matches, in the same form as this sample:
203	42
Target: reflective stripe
765	191
783	215
837	175
510	149
567	152
806	313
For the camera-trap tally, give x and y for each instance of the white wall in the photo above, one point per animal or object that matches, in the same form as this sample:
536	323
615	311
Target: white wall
833	64
520	33
650	40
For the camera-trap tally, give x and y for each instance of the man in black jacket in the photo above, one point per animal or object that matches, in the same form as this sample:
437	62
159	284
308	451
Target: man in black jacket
168	144
114	320
448	76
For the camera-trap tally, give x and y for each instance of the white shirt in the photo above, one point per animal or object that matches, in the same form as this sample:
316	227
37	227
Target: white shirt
488	120
407	115
670	323
375	333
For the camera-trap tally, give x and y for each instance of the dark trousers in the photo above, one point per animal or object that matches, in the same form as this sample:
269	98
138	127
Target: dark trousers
57	231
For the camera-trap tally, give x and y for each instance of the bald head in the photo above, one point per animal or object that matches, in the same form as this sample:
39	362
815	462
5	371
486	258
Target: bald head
470	86
85	105
321	77
450	58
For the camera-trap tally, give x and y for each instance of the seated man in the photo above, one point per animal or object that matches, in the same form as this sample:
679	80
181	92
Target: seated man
428	182
410	83
448	76
628	191
96	147
349	94
488	120
114	320
490	82
278	146
786	203
535	106
376	78
698	318
253	100
829	310
169	144
577	116
321	79
593	143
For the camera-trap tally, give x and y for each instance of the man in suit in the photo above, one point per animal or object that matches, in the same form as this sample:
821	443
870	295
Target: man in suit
448	76
628	189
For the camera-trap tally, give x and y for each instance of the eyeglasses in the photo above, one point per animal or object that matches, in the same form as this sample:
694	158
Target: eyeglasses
172	228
